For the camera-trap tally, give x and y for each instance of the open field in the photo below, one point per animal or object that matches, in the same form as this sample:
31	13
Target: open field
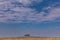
29	38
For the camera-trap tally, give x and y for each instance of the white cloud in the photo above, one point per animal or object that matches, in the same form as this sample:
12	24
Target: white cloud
19	15
29	15
52	16
28	2
25	14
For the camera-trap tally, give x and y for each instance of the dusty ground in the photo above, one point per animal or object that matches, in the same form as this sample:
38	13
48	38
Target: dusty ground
29	38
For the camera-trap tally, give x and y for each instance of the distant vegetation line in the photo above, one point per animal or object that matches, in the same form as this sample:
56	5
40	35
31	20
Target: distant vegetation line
31	37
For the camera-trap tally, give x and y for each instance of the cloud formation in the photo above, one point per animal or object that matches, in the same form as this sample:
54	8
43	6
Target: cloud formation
27	2
11	14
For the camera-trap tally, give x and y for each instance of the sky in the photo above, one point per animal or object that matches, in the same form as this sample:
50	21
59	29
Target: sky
39	18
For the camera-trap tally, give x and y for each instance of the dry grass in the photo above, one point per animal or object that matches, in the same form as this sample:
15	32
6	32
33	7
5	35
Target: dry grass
29	38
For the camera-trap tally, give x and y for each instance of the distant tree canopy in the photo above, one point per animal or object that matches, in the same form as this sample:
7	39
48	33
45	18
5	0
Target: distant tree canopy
27	35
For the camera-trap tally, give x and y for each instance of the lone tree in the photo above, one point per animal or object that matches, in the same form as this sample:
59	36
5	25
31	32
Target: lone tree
27	35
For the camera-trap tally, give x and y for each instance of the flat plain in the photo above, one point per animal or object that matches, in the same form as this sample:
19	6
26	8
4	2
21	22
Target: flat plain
29	38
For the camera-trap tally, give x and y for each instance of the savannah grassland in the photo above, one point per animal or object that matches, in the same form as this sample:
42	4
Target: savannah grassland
29	38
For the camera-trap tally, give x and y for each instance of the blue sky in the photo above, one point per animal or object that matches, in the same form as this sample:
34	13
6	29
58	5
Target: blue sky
38	18
41	29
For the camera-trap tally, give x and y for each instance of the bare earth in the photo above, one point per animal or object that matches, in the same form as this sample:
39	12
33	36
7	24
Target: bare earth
29	38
